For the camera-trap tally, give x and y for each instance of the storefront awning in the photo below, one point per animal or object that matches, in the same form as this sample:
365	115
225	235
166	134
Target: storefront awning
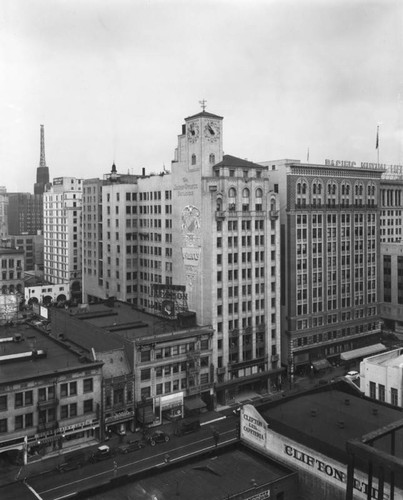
145	415
321	364
362	352
194	404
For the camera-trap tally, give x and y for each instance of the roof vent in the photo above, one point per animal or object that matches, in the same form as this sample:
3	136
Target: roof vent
340	424
314	413
347	402
374	411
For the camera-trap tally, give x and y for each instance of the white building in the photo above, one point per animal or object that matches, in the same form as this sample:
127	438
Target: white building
62	233
382	377
204	238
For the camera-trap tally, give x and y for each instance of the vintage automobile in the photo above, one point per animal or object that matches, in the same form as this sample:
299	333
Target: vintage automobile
131	446
157	437
187	426
72	462
103	452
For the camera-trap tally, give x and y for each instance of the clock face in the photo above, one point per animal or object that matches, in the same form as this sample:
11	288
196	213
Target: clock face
193	131
212	131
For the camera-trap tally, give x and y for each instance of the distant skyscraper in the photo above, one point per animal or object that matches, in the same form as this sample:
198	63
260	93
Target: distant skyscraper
42	172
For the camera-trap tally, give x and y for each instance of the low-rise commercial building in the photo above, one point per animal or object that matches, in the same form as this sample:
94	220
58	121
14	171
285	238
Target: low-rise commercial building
169	362
49	393
382	377
311	432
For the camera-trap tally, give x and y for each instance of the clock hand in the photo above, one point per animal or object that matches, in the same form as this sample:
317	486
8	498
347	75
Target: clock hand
211	130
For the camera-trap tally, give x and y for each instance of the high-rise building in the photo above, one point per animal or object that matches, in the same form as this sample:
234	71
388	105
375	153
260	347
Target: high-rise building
25	213
202	238
330	252
62	233
391	257
107	218
42	172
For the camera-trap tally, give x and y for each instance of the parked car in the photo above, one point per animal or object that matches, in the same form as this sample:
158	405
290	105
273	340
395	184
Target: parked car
72	462
188	426
103	452
352	375
157	437
131	446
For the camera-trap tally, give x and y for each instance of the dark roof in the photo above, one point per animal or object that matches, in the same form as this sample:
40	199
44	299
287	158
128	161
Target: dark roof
213	476
9	250
204	114
233	161
328	418
59	357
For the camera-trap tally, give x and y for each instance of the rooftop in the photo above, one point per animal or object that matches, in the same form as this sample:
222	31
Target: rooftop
210	476
388	359
233	161
24	340
329	417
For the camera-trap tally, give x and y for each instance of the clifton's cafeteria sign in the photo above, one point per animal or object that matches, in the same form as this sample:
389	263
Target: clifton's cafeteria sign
255	430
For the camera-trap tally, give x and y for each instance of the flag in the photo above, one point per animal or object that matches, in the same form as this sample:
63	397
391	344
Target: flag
377	138
307	156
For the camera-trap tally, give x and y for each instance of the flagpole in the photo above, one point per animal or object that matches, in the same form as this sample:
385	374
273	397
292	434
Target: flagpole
377	144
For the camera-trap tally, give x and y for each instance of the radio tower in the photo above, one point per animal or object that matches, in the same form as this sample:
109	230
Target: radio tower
42	172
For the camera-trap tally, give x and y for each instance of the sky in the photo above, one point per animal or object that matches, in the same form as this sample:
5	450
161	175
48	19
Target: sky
112	81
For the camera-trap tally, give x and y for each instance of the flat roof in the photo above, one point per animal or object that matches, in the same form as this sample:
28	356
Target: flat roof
130	323
58	357
326	419
390	358
213	476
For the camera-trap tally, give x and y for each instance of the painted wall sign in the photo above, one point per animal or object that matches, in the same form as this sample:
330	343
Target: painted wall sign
256	431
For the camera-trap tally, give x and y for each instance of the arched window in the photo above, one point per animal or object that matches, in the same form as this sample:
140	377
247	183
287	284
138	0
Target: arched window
212	158
245	193
219	204
259	193
193	159
232	193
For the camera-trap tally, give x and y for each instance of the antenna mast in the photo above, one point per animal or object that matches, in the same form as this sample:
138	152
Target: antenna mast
42	161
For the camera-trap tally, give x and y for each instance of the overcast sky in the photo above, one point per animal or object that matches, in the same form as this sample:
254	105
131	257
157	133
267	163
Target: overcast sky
112	81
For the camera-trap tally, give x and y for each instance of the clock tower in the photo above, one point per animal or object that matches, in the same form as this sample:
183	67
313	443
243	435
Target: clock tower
203	139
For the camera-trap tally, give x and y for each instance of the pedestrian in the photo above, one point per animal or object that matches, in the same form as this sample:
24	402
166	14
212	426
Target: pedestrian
216	437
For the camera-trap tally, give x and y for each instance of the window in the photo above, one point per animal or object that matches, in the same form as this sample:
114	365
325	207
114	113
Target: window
145	356
88	406
18	422
88	385
3	403
394	396
3	425
64	411
146	374
381	392
372	390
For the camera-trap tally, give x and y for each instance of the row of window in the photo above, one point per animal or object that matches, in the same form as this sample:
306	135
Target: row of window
26	398
333	335
47	416
380	393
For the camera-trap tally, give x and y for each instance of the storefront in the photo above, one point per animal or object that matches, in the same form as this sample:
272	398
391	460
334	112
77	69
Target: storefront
169	407
62	437
119	422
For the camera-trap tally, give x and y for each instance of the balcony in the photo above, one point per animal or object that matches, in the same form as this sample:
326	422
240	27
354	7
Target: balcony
220	215
221	371
48	426
48	403
274	214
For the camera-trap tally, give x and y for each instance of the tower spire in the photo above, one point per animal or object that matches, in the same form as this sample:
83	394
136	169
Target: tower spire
42	172
42	161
